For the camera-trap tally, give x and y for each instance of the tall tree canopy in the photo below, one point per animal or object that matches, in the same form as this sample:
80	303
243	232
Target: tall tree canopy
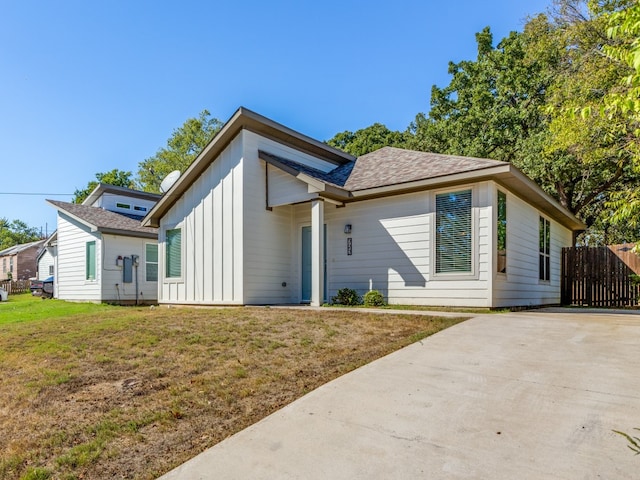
182	148
115	177
368	139
16	233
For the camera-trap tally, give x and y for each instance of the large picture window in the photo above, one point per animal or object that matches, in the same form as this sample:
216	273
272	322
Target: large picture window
453	248
91	261
501	243
173	255
151	262
545	249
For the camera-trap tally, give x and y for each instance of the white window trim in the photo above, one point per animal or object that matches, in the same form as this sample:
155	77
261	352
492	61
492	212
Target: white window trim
146	262
162	251
474	274
93	281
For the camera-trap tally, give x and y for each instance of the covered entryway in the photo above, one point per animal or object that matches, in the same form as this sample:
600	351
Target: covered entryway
306	262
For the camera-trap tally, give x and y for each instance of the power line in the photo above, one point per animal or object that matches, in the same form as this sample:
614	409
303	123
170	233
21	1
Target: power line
35	194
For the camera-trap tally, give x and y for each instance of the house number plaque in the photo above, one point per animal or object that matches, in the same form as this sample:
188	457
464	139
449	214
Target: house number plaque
349	246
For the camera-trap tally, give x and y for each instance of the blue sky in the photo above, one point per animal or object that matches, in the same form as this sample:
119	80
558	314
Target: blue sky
87	87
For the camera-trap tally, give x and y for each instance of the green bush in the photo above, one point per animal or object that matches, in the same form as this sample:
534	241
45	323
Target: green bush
373	298
347	296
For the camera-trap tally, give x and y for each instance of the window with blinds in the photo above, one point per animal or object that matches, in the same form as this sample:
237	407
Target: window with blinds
151	262
453	232
545	249
91	260
174	253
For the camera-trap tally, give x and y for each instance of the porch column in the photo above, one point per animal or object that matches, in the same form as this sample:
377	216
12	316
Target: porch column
317	252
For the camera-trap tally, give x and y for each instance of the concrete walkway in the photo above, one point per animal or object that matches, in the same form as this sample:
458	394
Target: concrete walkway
529	395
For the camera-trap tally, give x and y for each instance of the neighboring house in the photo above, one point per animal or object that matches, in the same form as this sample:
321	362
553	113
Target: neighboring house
103	254
46	259
266	215
19	262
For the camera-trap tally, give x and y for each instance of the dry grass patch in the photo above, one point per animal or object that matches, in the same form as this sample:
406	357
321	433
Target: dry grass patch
133	392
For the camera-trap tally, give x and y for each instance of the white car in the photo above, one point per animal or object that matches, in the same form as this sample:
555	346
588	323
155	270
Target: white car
3	295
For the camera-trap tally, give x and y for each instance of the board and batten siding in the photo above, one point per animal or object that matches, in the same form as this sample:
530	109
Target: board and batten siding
210	216
520	285
118	245
270	236
392	247
71	282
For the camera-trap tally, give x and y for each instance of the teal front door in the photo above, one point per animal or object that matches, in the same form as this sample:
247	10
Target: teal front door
306	264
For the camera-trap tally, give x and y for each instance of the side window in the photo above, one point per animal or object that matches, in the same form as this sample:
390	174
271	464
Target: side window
545	249
173	253
453	247
91	260
151	262
51	270
501	243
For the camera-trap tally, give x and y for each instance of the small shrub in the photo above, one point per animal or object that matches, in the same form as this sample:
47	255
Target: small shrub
374	298
347	296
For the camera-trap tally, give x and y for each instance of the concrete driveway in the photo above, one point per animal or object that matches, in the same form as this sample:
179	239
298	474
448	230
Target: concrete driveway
529	395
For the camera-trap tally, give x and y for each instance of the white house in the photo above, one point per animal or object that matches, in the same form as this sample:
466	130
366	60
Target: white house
266	215
103	254
46	259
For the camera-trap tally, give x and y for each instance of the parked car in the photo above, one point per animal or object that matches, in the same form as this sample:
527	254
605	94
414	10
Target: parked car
3	295
42	288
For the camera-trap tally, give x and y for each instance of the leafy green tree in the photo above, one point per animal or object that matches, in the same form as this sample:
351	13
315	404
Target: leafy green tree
16	233
182	148
623	27
368	139
115	177
508	104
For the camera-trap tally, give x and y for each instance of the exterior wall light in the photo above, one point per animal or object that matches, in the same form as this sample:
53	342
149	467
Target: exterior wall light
347	228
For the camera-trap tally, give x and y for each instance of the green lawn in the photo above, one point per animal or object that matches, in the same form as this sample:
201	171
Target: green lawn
25	307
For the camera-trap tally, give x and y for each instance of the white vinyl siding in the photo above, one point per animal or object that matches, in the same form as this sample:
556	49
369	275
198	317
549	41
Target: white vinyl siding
71	282
271	273
520	286
392	240
210	217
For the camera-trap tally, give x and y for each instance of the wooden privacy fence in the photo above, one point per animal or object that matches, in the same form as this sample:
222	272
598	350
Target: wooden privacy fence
16	286
600	276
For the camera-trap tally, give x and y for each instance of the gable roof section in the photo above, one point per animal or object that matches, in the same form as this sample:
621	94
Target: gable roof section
104	221
103	188
14	250
242	119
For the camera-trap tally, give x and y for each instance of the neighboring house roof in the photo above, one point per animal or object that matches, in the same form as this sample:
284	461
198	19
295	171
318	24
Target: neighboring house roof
104	221
103	188
48	242
20	248
387	171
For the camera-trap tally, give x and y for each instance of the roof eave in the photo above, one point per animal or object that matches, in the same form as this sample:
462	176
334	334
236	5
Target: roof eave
127	233
508	175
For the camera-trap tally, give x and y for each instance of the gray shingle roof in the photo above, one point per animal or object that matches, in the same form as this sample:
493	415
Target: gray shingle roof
20	248
393	166
389	166
104	219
